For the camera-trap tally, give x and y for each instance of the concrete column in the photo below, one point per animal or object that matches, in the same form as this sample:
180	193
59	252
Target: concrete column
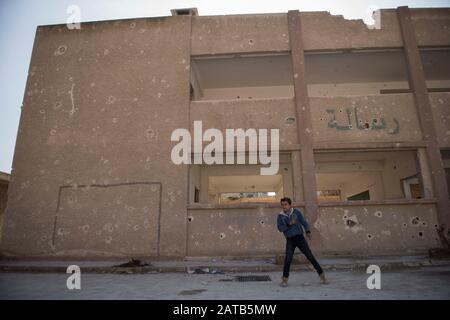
425	174
303	114
296	176
424	112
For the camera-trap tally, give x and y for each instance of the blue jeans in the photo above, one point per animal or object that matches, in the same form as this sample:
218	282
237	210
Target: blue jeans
300	242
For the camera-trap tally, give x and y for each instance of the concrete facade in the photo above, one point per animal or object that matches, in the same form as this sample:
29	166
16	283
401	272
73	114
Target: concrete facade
4	182
92	174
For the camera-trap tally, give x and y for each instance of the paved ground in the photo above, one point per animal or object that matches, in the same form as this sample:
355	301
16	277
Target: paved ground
420	283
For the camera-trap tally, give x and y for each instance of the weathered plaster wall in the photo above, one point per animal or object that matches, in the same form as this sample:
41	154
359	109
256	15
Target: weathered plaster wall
431	26
399	106
234	232
239	33
257	114
323	31
99	108
101	103
440	106
116	219
377	229
3	201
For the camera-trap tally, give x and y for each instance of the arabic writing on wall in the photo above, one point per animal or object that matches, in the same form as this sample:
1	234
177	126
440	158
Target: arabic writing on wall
376	124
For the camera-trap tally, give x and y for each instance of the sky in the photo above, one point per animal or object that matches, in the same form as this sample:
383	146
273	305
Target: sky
19	19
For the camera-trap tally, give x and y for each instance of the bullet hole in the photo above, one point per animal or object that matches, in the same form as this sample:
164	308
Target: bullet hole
222	235
57	105
238	97
366	125
190	219
262	222
351	223
61	50
424	224
415	221
404	224
289	120
420	234
70	199
150	133
369	236
395	167
345	217
435	225
378	214
250	42
111	100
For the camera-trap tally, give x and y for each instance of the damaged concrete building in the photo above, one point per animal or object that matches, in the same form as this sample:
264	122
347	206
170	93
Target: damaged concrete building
363	115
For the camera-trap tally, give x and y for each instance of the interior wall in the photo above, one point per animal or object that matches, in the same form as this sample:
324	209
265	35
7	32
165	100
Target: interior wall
285	169
367	181
247	93
396	167
381	176
354	89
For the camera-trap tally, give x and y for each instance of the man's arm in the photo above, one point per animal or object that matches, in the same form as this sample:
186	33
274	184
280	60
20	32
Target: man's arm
281	224
303	222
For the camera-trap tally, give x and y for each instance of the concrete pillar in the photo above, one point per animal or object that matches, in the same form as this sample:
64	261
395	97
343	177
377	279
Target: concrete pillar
304	123
296	176
424	112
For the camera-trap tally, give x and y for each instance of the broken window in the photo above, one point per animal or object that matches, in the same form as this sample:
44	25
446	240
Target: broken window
368	175
356	72
243	197
240	183
411	187
329	195
242	76
436	68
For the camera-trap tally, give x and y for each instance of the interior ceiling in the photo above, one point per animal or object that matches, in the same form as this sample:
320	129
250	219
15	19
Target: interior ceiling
325	180
237	183
356	67
321	68
436	64
253	71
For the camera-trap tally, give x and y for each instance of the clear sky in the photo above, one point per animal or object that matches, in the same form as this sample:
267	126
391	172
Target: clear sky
19	18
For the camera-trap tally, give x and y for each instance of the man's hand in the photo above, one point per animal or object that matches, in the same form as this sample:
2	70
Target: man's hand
308	235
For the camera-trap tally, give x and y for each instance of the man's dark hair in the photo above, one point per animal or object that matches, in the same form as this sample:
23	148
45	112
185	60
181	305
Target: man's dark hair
286	199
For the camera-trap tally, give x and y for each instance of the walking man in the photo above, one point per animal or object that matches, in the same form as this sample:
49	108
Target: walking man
291	222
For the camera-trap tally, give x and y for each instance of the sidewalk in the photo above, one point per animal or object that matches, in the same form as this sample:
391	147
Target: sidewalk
217	265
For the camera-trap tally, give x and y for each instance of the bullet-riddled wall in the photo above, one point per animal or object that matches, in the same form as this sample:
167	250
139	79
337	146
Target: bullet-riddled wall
92	173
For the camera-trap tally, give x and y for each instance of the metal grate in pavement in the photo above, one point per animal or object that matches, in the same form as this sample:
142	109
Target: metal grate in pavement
252	278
